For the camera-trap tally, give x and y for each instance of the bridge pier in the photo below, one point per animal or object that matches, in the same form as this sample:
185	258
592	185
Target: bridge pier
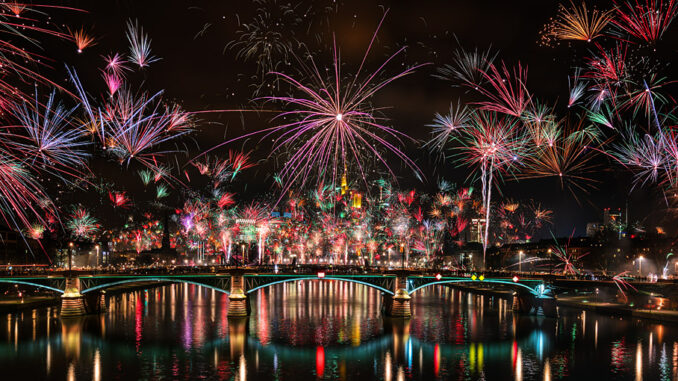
95	302
530	304
398	305
72	301
238	300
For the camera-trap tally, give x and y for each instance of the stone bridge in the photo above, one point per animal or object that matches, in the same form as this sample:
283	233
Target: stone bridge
82	292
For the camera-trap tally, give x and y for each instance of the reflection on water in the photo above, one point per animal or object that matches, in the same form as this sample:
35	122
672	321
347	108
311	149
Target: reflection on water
330	330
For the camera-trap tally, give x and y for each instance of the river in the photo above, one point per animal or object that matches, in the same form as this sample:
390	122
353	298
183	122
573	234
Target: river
329	330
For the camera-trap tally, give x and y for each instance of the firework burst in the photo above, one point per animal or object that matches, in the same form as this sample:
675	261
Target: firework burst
646	21
82	225
445	126
51	139
82	39
334	126
468	67
494	145
578	23
139	45
506	90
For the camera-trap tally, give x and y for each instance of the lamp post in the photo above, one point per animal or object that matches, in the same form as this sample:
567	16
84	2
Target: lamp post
640	265
550	261
242	258
520	261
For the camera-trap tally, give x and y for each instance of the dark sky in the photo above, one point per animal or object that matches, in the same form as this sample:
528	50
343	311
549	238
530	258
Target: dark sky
198	72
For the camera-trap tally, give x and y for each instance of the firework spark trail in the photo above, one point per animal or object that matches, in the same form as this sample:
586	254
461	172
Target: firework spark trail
608	67
82	39
268	38
131	127
17	61
507	92
81	224
445	126
622	284
136	130
645	96
495	145
139	45
577	23
39	142
646	21
334	123
567	157
113	82
468	67
566	257
577	89
50	137
119	199
647	155
21	196
94	119
665	270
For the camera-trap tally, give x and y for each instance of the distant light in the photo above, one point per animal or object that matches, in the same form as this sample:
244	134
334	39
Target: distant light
515	278
340	117
438	276
321	274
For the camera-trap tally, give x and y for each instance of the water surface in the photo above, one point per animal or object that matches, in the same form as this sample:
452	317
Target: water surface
329	330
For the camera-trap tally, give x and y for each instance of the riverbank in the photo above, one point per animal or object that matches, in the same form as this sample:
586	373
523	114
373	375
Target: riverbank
617	309
583	303
11	305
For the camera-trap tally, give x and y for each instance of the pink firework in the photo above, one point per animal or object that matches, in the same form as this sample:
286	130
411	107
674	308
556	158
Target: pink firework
113	82
505	90
333	126
115	64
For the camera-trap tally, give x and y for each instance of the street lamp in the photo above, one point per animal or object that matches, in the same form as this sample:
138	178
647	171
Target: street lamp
640	265
520	261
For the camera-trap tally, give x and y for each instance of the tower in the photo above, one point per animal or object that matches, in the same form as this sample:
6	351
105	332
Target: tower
165	245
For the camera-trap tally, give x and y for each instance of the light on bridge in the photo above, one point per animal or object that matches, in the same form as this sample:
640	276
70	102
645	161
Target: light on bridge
515	278
482	277
438	276
321	274
474	277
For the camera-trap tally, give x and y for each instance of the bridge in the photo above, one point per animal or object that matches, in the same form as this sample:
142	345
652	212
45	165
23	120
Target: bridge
82	292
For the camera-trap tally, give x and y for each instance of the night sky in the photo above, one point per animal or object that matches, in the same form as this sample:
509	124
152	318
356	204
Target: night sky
199	71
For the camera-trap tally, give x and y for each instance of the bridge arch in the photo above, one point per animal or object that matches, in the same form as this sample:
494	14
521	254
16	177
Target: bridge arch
37	285
535	292
150	279
329	277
